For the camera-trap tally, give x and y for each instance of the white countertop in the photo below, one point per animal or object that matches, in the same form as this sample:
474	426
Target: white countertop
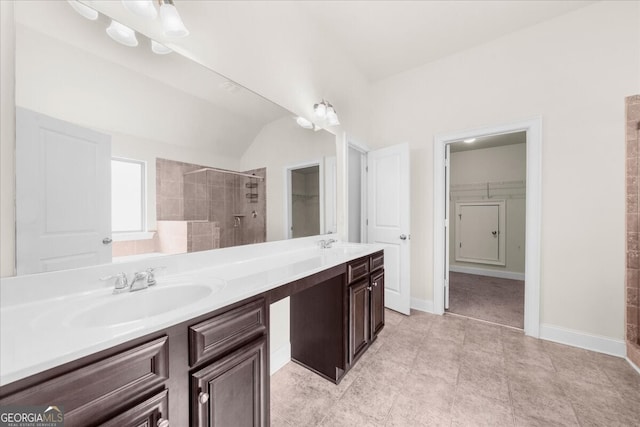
41	316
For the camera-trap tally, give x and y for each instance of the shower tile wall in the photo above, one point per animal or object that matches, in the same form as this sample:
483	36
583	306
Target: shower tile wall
209	197
633	229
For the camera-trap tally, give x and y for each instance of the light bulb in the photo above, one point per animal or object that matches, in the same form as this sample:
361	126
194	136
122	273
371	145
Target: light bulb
83	10
320	110
332	116
159	49
122	34
304	123
172	25
143	8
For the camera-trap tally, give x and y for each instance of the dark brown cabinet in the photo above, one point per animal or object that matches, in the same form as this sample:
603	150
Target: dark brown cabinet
214	369
230	386
335	316
377	303
106	389
366	302
232	391
358	318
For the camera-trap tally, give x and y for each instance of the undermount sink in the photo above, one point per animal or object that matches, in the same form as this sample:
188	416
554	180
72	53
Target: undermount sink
139	305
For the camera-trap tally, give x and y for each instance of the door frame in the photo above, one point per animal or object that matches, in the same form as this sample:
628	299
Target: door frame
533	128
288	207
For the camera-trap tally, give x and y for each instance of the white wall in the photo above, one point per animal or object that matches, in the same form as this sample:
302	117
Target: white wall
574	71
499	164
272	48
280	144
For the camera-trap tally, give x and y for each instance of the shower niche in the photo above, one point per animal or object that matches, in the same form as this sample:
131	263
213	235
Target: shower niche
200	208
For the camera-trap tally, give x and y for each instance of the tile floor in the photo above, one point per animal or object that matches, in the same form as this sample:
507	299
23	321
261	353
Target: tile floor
487	298
428	370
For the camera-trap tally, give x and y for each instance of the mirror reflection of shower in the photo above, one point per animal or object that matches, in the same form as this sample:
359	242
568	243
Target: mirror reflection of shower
201	208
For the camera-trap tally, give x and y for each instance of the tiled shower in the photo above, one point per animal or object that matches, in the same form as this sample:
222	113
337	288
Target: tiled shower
633	228
200	208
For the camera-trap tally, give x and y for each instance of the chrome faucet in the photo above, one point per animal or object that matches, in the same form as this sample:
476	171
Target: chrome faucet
141	280
326	244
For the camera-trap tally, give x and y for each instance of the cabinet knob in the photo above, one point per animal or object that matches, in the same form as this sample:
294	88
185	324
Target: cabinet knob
163	423
369	288
375	283
203	397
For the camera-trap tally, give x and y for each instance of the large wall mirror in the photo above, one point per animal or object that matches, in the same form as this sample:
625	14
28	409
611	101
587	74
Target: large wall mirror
122	153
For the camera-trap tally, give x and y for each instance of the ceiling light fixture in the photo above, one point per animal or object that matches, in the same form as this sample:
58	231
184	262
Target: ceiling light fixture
159	48
143	8
325	111
83	10
122	34
172	25
469	140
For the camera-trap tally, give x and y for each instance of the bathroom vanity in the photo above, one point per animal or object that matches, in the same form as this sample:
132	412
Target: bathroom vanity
210	368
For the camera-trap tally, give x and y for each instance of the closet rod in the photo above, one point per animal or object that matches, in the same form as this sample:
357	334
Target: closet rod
248	175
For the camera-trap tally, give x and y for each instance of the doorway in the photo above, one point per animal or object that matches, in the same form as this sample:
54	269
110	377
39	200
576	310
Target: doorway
532	128
356	194
304	202
486	238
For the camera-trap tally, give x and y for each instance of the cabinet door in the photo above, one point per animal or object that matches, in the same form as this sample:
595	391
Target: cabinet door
234	390
358	318
377	303
151	413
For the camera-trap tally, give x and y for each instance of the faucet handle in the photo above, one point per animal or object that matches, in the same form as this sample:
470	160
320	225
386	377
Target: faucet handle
151	279
121	280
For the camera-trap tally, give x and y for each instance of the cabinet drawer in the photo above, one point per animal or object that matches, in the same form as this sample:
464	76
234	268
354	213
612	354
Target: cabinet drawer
148	413
226	331
377	261
93	393
357	269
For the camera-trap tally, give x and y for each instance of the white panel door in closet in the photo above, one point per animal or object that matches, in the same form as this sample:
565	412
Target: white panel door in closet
388	220
63	194
480	232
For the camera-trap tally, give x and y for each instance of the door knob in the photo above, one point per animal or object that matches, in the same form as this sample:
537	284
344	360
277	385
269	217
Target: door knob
106	240
403	237
495	233
203	397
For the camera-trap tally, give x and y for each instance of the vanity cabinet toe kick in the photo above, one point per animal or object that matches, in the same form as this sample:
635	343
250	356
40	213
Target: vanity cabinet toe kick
214	370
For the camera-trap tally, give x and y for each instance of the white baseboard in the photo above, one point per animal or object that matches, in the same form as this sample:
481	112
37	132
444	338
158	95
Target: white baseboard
422	305
583	340
487	272
279	358
633	365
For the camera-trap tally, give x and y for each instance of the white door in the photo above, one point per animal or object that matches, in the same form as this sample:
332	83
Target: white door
63	194
447	211
388	220
477	228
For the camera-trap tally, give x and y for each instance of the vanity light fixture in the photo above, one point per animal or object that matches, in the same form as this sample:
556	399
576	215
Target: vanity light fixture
122	34
304	123
83	10
172	25
469	140
159	49
325	111
320	109
143	8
